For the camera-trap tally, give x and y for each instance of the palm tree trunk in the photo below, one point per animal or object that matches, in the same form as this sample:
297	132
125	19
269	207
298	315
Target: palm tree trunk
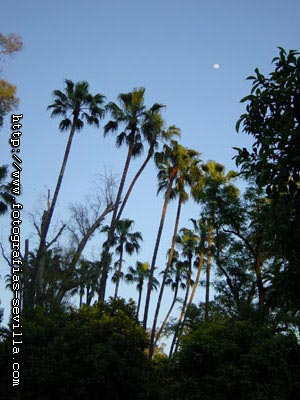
159	233
139	301
168	314
170	258
200	265
105	254
89	295
49	213
81	292
119	273
137	175
180	325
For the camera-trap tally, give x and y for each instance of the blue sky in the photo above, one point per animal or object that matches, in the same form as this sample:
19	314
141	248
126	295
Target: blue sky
168	47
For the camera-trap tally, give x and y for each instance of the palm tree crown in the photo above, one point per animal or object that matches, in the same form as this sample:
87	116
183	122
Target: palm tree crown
77	101
130	114
75	104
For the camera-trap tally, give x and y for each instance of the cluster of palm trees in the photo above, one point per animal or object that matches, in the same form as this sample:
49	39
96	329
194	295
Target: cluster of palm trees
181	175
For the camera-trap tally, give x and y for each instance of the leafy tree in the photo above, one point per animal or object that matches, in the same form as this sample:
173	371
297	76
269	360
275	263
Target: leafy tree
236	284
215	182
249	246
9	44
234	359
78	102
96	352
272	118
8	99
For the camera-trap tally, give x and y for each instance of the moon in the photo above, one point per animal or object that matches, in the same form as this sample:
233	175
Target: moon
216	66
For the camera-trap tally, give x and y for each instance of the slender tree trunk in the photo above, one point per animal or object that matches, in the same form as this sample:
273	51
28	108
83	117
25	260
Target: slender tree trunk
119	273
208	263
159	233
143	166
89	295
162	287
200	265
48	216
168	313
80	297
105	253
180	325
139	301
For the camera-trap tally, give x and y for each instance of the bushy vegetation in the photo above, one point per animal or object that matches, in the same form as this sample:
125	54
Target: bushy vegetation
242	342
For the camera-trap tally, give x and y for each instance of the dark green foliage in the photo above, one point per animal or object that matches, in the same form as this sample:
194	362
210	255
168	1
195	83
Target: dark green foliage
94	353
273	118
234	360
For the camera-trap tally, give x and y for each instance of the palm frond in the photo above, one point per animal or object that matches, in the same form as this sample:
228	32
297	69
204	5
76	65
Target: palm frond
111	126
65	124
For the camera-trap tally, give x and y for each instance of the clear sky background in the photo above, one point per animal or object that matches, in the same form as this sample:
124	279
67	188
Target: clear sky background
168	47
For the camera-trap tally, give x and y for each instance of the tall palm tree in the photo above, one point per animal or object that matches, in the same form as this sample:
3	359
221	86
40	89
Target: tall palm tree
189	175
76	105
171	162
129	115
139	275
124	241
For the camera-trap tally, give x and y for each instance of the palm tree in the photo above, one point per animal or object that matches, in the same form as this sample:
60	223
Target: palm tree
124	241
76	105
171	161
129	114
189	174
139	275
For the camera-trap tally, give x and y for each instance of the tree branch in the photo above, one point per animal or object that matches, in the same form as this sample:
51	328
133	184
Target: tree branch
57	236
